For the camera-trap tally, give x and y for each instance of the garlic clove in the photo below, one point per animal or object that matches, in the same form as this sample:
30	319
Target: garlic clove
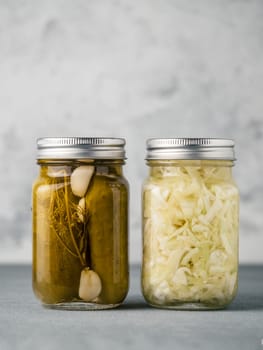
58	171
90	285
80	179
81	209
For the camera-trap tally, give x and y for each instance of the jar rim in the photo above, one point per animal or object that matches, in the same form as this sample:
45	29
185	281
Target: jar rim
80	148
190	148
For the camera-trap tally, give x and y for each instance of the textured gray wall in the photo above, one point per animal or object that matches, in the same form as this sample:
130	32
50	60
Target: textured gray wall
138	69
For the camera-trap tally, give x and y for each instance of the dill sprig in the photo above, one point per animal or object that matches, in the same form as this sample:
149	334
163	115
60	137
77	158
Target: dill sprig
65	222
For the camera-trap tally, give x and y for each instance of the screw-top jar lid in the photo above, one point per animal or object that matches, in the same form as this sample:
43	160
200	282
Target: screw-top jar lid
190	148
80	148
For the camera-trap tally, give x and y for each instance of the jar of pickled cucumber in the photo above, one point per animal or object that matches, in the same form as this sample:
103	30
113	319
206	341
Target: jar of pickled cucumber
190	224
80	223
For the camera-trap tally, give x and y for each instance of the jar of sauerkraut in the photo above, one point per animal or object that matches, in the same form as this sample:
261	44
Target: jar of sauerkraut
80	223
190	224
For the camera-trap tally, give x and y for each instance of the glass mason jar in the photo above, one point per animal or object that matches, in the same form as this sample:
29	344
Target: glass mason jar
80	223
190	224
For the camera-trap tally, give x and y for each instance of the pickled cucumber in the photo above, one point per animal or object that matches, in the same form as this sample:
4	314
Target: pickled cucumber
106	203
55	271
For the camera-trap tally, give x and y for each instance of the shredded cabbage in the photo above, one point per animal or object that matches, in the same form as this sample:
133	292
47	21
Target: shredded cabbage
190	235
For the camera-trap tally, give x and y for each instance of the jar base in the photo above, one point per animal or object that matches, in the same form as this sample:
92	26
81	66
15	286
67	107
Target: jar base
190	307
80	306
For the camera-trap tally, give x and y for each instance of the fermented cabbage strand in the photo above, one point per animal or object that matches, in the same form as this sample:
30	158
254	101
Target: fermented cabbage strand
190	235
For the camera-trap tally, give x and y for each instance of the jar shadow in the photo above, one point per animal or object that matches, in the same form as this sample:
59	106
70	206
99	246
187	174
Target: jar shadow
247	302
134	303
250	290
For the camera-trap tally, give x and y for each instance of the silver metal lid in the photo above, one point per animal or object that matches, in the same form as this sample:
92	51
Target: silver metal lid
190	148
80	148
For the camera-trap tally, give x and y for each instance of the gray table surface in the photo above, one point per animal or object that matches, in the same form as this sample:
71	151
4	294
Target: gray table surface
25	324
